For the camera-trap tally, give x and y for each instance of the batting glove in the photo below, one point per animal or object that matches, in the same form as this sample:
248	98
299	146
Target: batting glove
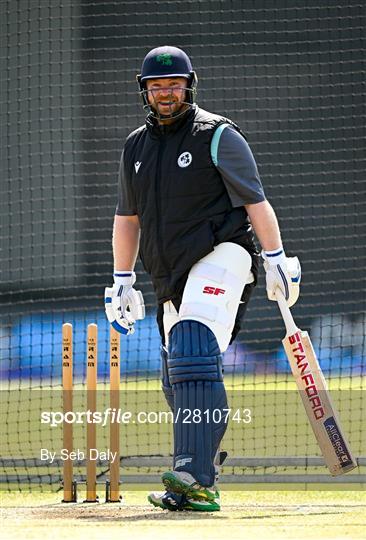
123	304
282	272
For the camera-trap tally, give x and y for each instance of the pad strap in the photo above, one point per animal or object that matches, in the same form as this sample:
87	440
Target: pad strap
204	311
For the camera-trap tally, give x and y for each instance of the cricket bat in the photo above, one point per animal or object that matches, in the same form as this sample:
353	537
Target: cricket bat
315	395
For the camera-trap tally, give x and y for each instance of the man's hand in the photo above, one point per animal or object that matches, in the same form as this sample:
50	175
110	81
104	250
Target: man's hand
282	272
123	304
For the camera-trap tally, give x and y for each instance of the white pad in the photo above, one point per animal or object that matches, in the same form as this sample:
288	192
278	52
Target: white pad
213	291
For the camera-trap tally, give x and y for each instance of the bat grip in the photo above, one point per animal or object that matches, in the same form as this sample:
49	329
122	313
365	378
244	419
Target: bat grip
288	319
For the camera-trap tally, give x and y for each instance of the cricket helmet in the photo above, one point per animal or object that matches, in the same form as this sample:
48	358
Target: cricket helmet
166	62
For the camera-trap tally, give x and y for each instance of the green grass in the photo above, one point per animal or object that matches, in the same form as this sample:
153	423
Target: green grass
279	425
278	421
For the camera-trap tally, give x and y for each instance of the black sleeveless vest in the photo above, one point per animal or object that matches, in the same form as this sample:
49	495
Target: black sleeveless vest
181	200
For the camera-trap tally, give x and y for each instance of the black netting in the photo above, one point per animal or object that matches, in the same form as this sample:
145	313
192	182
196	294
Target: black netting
291	74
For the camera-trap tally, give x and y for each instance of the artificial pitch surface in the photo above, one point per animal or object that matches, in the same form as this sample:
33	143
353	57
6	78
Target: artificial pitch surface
251	515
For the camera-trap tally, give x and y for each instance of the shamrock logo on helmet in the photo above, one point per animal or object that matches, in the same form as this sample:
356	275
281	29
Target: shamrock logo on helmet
165	59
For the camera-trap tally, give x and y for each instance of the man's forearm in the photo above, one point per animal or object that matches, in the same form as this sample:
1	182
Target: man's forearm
126	237
265	225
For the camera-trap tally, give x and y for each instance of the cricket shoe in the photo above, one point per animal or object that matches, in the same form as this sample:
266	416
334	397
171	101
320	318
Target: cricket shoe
173	502
183	483
167	500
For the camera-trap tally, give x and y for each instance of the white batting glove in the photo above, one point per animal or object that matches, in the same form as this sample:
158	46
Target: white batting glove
282	272
123	304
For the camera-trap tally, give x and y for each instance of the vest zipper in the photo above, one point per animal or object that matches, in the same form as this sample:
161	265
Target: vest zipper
162	145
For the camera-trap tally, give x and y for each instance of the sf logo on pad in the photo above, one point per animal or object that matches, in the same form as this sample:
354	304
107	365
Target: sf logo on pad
213	290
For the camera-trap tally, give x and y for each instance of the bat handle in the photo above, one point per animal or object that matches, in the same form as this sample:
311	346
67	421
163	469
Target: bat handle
288	319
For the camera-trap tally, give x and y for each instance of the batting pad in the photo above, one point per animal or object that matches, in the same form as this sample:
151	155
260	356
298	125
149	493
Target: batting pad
195	373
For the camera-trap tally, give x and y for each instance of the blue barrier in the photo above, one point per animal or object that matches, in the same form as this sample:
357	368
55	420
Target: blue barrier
34	346
32	349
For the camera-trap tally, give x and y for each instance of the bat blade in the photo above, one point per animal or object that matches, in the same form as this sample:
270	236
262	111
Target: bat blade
317	402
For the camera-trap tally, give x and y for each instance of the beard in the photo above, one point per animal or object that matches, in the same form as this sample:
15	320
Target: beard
168	109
